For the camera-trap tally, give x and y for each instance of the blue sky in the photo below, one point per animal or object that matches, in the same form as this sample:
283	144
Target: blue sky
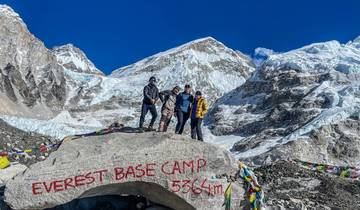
115	33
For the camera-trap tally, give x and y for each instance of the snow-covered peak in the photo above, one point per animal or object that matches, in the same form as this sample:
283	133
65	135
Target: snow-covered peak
206	64
198	45
72	58
201	40
206	45
200	51
318	57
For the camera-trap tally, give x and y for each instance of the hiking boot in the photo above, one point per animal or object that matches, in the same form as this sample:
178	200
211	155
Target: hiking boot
150	128
141	130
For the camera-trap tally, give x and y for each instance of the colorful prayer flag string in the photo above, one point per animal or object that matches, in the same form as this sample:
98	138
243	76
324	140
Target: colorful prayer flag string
255	193
253	189
342	171
44	148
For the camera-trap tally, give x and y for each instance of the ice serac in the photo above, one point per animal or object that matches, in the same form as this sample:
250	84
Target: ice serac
206	64
320	57
355	43
305	98
72	58
261	54
31	81
170	170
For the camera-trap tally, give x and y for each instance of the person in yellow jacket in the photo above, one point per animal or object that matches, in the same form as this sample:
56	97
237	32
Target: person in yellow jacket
198	111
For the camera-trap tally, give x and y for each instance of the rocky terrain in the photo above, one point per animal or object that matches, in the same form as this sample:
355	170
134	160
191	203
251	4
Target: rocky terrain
289	186
310	94
15	139
336	143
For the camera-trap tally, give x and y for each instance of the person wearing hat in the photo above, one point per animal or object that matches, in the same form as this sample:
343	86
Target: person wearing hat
167	110
151	95
198	111
183	106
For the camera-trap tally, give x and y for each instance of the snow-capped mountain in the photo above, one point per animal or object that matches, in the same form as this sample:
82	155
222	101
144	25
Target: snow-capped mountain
320	57
293	100
72	58
206	64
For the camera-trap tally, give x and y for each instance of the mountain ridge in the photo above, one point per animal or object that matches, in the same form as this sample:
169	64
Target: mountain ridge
72	58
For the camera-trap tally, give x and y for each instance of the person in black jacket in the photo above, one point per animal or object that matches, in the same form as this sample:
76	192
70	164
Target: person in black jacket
151	95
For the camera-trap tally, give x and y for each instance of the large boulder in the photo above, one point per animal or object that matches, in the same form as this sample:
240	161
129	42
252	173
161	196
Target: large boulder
170	170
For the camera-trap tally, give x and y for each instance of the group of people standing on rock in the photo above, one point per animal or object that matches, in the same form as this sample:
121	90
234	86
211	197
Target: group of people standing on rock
183	105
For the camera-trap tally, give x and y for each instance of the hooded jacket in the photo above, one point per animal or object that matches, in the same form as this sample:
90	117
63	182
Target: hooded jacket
201	107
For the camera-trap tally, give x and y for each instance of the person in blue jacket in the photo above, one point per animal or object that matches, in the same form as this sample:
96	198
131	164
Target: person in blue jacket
183	107
151	96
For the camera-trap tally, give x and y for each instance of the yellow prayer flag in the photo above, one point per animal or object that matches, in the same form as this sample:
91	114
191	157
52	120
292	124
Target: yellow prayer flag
252	197
4	162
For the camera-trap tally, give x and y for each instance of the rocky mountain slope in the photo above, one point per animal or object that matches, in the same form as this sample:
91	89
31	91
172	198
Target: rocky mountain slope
30	78
310	93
